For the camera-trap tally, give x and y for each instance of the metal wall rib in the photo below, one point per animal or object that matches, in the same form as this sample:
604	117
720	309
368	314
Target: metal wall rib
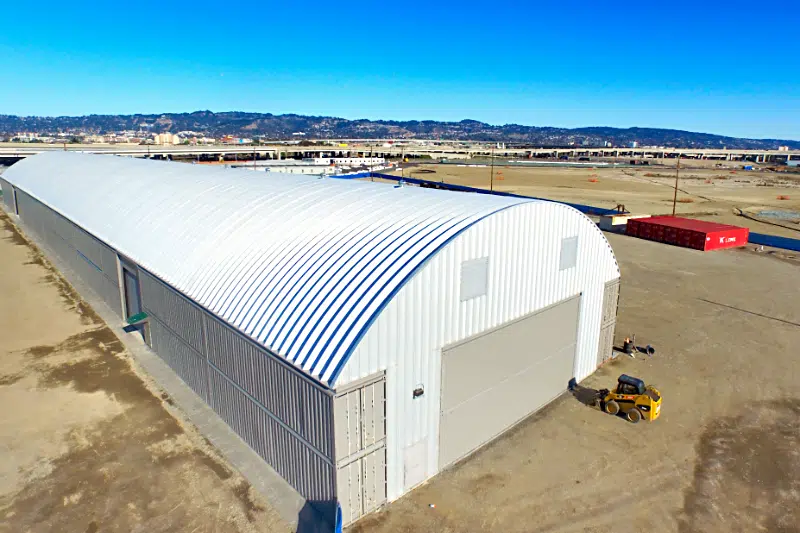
185	361
308	472
294	400
180	315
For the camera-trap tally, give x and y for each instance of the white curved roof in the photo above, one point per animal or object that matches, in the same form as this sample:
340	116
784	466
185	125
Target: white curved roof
300	264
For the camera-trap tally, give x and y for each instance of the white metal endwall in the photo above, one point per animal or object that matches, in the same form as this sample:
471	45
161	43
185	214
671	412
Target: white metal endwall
523	246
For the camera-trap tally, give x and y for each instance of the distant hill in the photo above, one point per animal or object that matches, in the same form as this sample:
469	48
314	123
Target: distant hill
284	126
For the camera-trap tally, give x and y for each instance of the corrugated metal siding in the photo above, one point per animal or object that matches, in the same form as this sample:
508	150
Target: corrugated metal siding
88	258
251	390
8	194
180	315
299	264
189	364
523	246
306	470
295	401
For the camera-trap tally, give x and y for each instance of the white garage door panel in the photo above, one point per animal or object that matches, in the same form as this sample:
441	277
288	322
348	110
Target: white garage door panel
491	382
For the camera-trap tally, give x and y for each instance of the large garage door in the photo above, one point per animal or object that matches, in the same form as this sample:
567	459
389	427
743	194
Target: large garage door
494	380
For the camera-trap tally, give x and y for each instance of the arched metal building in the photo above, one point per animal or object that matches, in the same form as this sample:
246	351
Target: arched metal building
359	336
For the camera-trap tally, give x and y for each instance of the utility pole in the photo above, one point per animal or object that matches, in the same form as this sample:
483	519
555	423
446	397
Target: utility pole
677	175
491	172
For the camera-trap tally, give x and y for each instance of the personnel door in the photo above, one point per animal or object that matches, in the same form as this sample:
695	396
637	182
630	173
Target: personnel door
133	301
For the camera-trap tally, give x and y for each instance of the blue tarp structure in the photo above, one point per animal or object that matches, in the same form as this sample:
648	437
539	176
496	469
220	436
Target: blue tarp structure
776	242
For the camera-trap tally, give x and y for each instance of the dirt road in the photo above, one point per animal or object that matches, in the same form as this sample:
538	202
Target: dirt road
88	445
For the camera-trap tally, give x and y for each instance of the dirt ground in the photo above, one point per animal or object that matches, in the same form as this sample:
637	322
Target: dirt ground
88	444
706	192
723	457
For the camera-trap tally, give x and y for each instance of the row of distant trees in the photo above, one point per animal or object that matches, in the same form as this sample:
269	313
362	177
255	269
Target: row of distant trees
71	140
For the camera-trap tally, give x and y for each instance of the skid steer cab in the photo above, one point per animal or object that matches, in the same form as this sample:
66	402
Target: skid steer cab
633	399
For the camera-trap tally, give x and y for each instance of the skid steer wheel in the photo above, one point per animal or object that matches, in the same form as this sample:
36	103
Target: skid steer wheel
633	416
612	407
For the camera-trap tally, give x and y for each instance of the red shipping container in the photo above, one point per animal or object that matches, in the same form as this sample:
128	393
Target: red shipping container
688	232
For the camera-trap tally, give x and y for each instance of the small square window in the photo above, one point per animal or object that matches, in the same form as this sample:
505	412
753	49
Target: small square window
474	278
569	253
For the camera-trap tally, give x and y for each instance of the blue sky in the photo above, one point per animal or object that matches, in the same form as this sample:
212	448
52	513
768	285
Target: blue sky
725	67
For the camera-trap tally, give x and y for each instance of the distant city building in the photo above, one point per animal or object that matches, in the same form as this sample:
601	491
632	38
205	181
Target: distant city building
634	144
26	136
783	148
166	138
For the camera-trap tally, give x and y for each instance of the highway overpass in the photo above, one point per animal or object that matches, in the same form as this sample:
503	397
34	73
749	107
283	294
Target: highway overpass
15	151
